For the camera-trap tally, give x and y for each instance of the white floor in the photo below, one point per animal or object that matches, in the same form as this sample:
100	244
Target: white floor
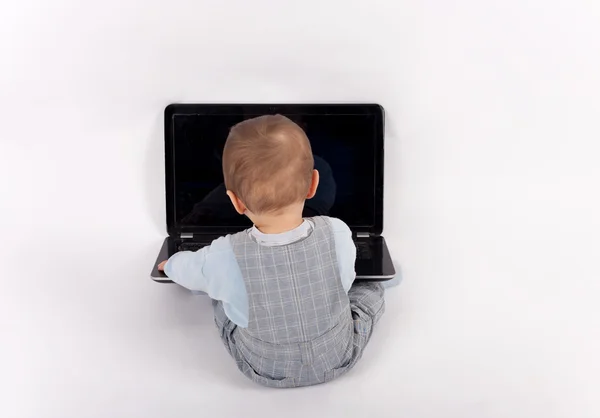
492	202
472	331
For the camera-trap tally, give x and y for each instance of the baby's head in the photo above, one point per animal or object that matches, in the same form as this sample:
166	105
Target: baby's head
268	166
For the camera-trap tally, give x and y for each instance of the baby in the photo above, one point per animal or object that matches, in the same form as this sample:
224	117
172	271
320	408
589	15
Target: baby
283	292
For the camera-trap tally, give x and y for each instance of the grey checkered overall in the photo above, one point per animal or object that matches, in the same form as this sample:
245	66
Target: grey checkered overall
303	329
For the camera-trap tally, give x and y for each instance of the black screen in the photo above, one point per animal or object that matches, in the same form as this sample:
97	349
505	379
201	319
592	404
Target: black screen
343	146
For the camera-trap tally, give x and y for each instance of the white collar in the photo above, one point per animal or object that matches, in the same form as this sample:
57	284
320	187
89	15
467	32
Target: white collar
285	238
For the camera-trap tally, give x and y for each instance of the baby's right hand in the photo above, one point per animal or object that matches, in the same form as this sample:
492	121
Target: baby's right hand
161	266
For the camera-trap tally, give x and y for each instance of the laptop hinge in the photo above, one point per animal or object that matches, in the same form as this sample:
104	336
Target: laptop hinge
362	235
185	235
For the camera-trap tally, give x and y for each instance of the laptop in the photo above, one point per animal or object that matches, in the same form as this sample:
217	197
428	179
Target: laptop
347	143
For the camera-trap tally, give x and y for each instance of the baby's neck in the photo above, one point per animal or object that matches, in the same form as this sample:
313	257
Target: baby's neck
279	223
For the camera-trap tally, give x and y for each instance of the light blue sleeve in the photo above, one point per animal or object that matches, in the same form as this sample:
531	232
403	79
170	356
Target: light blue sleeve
345	250
215	271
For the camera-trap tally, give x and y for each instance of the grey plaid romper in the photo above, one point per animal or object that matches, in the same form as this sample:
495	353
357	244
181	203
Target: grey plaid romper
303	328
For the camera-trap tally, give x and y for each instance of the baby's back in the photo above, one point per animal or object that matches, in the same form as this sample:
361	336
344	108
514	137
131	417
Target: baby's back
300	328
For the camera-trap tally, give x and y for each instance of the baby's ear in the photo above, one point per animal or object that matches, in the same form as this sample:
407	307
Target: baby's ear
314	184
237	203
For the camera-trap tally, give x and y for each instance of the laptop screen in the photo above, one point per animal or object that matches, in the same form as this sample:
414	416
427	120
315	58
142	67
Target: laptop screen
344	147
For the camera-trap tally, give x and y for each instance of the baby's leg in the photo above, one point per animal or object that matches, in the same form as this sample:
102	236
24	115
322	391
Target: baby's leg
367	304
224	325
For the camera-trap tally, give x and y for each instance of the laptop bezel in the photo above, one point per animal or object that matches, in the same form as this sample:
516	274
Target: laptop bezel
221	109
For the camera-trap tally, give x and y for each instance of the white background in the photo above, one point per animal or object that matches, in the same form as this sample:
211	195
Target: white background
492	201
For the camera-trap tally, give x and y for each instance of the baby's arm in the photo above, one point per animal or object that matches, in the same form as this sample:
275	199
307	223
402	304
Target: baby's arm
214	271
186	268
345	251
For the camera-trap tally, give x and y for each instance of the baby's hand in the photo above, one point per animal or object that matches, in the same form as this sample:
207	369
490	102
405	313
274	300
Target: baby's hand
161	266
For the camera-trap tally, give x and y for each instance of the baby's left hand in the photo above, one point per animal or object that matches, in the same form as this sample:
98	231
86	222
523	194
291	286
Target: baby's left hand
161	266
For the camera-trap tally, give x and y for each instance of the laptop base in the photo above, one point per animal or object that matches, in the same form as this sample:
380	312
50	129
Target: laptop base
379	267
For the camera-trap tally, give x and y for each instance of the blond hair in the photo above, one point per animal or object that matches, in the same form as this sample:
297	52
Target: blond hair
268	163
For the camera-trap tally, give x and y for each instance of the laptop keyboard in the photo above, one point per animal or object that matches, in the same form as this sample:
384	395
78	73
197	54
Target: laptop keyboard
363	249
191	246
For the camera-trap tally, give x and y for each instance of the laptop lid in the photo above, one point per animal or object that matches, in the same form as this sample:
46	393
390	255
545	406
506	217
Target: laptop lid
347	142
